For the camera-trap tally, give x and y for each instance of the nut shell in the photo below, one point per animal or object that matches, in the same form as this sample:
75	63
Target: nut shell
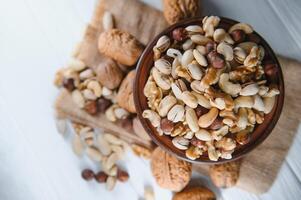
176	10
120	45
170	172
109	74
125	98
225	175
195	193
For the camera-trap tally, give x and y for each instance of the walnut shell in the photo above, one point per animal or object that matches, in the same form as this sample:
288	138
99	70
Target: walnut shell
120	45
109	74
125	96
195	193
225	175
177	10
170	172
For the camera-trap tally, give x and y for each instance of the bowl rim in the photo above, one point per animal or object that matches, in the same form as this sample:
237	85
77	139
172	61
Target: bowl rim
244	151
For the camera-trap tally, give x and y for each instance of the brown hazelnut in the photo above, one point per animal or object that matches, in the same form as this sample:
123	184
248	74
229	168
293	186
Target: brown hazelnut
91	107
225	175
210	46
216	60
122	176
101	177
270	70
170	172
68	83
103	104
198	143
200	110
195	193
87	174
253	38
127	124
243	137
166	125
216	124
179	34
238	36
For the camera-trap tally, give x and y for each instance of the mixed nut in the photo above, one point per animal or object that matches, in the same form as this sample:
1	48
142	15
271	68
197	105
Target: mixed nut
209	88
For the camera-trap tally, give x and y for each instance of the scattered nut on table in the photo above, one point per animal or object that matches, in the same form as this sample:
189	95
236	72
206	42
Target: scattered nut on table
170	172
208	81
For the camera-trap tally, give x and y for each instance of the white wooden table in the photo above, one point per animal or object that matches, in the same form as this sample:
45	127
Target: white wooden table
36	38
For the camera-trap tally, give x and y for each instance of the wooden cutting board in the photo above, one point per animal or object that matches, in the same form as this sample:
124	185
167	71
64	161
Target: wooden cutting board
259	169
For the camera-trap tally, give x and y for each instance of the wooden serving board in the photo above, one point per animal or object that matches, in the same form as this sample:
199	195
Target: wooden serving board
259	169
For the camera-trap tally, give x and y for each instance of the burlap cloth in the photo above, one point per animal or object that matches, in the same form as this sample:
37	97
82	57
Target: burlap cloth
259	168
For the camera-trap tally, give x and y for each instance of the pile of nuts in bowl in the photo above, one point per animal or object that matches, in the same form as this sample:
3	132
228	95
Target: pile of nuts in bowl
208	88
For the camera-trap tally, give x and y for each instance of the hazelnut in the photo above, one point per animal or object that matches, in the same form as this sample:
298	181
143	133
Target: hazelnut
87	174
243	137
270	70
122	176
238	36
195	193
200	110
68	83
216	124
166	125
179	34
210	46
253	38
225	175
198	143
216	60
101	177
103	104
91	107
127	124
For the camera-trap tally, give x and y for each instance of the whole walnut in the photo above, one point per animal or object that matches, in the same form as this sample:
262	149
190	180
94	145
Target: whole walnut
225	175
170	172
120	45
125	97
109	74
177	10
195	193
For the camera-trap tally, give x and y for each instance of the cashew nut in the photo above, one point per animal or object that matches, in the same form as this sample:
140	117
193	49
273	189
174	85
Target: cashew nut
227	86
269	103
249	90
152	116
192	119
220	35
258	103
242	118
200	39
187	58
219	103
226	50
202	100
244	102
203	135
241	26
194	29
200	58
207	119
272	92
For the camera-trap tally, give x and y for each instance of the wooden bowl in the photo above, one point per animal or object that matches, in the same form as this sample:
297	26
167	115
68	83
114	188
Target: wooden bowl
260	132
